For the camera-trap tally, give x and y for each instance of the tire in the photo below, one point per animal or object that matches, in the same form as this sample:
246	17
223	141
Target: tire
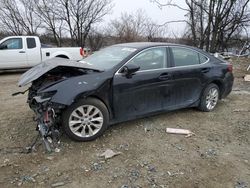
85	126
210	94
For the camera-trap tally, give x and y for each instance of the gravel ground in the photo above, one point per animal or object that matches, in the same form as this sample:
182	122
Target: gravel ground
218	155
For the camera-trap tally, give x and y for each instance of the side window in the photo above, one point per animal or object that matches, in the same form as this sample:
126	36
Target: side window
31	43
154	58
203	58
11	44
184	57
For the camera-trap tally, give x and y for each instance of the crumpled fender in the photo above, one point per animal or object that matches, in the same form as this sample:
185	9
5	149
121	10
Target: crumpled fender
70	88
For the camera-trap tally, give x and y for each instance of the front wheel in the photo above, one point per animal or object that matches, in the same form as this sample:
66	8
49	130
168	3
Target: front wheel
209	98
85	120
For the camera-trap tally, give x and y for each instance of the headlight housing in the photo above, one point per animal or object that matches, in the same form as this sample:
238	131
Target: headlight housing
46	95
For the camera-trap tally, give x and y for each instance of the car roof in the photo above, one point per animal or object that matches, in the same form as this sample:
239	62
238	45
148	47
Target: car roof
143	45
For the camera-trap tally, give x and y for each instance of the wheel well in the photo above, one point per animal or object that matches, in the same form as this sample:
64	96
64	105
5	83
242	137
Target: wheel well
63	56
98	98
220	85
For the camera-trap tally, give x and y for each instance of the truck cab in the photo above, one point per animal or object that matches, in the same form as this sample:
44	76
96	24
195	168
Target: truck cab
25	51
19	51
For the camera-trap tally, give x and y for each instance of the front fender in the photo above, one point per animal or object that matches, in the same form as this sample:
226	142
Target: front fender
68	90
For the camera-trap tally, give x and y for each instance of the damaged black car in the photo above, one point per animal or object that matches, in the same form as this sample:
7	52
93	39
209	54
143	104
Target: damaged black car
120	83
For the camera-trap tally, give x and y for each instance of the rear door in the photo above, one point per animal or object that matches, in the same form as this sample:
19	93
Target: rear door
189	70
33	51
146	91
13	53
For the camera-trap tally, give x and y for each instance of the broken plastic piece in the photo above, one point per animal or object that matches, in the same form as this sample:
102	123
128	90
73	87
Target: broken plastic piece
109	154
186	132
247	77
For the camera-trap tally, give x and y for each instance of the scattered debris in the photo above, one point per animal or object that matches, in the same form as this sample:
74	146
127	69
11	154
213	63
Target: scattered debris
50	158
124	146
209	153
248	68
241	110
109	154
124	186
186	132
57	150
97	166
247	78
147	128
27	179
58	184
178	147
151	168
175	173
241	184
6	162
134	175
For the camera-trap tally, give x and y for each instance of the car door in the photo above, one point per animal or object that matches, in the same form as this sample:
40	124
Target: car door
12	53
33	51
146	90
188	69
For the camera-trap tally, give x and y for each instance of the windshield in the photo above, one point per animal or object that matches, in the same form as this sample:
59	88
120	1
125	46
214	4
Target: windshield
108	57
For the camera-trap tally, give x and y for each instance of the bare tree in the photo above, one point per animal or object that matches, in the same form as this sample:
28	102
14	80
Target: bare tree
18	17
129	27
80	15
96	39
135	27
49	14
154	31
212	23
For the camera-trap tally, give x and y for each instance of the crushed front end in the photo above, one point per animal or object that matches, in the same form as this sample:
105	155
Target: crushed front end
47	113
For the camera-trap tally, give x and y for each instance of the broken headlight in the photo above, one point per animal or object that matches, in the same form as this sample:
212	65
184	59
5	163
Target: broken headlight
46	95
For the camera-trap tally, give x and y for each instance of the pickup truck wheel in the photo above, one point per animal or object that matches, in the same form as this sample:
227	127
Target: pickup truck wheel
209	98
85	120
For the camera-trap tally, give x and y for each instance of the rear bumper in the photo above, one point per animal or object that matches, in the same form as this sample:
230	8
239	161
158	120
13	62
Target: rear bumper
228	84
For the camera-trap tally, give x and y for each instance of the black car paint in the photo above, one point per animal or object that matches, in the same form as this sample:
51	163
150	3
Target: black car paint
145	92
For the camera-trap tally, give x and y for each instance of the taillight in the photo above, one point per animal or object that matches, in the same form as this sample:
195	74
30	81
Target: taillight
230	68
81	51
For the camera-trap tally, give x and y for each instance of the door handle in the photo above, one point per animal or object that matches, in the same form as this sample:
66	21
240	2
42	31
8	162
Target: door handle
21	52
164	76
205	70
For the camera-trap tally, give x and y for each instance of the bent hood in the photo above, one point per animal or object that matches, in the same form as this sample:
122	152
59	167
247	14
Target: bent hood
44	67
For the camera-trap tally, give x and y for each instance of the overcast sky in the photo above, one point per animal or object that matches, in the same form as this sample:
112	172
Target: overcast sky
153	11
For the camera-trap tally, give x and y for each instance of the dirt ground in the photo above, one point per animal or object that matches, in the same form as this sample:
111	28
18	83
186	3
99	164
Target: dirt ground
218	155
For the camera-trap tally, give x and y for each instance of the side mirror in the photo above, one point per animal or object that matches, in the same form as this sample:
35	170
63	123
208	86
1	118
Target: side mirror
2	47
129	70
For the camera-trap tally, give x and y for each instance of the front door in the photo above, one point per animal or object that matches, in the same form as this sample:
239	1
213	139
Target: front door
146	90
12	54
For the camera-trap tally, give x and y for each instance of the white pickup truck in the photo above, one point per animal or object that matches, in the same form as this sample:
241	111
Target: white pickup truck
26	51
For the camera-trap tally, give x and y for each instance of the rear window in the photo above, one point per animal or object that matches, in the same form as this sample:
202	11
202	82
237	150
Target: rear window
31	43
203	58
185	57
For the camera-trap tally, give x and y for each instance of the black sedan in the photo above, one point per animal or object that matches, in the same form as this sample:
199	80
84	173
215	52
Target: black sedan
123	82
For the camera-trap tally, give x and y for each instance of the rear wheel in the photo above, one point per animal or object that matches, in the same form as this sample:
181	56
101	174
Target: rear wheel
209	98
85	120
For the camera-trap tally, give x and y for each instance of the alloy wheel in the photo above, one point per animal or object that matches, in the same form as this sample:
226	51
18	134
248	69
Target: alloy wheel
212	98
86	121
